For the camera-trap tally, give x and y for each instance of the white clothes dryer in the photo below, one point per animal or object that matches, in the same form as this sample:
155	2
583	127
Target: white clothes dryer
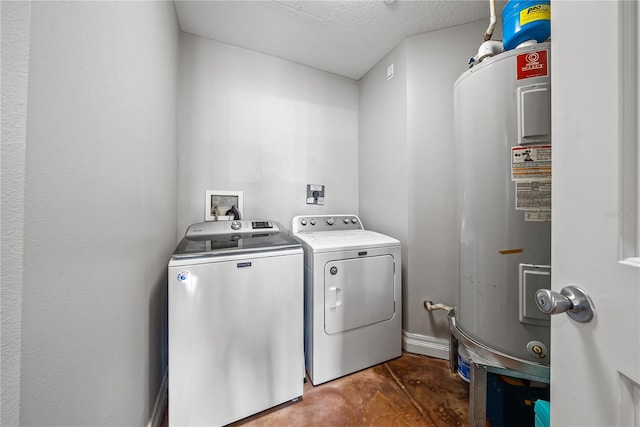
352	295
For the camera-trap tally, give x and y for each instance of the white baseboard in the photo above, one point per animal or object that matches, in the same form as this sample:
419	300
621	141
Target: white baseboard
425	345
161	402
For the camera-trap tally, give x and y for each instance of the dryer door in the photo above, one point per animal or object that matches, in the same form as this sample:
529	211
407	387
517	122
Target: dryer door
358	292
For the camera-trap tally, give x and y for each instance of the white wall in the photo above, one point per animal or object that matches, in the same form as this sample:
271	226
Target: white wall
99	210
383	153
408	169
267	127
15	27
435	61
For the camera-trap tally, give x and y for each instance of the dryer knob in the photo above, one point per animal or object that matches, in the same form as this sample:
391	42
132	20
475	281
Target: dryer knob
346	220
303	221
354	220
313	221
331	220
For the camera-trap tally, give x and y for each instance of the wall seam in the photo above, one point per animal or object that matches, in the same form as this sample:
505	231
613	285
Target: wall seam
16	27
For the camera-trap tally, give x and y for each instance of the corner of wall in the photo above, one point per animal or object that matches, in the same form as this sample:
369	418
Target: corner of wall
16	28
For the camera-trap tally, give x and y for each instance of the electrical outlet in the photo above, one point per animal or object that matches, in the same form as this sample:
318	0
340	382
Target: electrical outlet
315	194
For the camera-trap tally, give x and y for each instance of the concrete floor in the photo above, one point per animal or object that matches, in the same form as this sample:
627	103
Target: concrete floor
412	390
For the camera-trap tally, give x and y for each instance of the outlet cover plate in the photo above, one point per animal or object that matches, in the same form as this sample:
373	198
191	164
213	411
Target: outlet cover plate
315	194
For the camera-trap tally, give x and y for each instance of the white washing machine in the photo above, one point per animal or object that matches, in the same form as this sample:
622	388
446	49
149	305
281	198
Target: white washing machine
352	295
235	322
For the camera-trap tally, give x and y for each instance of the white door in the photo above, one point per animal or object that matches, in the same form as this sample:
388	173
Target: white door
595	366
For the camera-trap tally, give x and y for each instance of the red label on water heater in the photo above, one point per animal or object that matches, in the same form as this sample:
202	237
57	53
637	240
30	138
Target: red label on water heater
532	64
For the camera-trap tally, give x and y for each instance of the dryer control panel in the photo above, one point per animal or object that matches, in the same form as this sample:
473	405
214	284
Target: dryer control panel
309	223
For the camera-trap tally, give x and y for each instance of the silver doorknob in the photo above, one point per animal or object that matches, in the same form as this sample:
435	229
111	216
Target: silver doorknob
571	300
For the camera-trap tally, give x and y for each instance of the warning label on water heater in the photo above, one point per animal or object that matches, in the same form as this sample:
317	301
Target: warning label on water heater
533	195
537	216
531	171
530	162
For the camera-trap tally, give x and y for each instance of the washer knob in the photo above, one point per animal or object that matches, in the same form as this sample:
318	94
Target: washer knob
313	221
236	225
331	220
303	221
354	220
346	220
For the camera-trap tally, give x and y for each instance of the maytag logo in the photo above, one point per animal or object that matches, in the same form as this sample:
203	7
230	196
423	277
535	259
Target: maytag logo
243	264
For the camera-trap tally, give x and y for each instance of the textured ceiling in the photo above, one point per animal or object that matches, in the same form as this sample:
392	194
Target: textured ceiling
342	37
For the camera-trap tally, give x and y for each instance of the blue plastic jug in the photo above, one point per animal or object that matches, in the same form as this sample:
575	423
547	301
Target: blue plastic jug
525	20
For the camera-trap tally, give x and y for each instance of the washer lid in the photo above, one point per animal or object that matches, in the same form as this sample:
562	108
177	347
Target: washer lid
214	239
328	241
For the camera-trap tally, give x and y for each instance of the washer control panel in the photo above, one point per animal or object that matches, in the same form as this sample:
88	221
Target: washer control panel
309	223
212	228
